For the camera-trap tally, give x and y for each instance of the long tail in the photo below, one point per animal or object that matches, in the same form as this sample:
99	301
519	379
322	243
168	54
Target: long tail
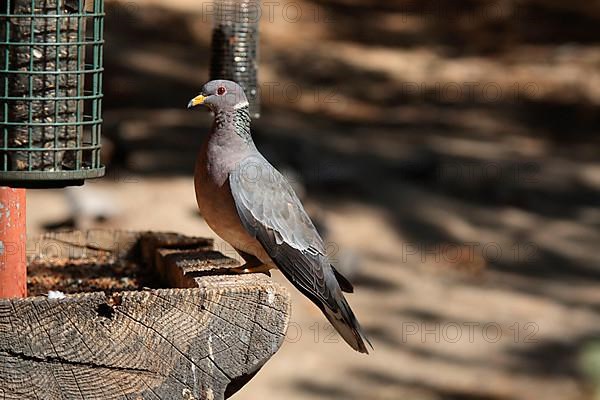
345	322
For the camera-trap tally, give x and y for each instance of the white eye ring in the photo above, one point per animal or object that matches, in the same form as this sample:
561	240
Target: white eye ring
221	91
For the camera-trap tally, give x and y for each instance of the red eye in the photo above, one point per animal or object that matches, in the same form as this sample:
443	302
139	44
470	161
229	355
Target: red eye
221	91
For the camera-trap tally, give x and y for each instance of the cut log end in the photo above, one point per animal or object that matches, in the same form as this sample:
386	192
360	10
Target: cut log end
204	341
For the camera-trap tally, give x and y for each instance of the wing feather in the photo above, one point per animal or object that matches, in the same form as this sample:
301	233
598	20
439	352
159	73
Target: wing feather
271	212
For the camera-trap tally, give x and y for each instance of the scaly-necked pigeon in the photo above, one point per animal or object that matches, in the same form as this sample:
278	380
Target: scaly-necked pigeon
249	204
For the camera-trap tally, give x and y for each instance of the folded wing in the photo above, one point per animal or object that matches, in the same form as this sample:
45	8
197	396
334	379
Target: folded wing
270	211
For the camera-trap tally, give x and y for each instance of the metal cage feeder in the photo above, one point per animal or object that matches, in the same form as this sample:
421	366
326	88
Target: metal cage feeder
235	46
51	90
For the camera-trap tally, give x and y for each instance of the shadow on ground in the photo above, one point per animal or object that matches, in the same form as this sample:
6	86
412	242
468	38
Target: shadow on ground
520	172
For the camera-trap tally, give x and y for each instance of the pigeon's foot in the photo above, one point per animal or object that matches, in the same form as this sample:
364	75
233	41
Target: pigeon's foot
249	268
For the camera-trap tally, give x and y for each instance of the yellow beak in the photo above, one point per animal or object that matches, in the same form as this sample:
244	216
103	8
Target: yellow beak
196	101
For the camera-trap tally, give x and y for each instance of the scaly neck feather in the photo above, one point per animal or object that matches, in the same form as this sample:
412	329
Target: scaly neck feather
238	120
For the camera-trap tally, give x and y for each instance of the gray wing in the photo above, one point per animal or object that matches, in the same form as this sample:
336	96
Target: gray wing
270	211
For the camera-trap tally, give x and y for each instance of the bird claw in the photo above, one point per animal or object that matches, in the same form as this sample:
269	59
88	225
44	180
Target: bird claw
258	269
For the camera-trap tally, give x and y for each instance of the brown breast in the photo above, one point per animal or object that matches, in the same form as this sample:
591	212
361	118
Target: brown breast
217	206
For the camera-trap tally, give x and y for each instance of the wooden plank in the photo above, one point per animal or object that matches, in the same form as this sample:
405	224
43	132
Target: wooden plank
180	267
94	244
196	343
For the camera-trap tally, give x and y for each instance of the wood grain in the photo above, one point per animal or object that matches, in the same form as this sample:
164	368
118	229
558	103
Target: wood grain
203	342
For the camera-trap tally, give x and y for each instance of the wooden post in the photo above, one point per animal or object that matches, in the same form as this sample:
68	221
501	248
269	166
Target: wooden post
204	335
13	265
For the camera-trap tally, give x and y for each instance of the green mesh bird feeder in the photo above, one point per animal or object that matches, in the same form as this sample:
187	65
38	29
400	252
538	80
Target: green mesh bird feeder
51	90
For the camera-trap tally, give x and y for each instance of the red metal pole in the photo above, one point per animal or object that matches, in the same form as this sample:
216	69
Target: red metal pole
13	263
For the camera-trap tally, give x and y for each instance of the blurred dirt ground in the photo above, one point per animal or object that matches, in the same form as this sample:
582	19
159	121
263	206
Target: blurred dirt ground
451	152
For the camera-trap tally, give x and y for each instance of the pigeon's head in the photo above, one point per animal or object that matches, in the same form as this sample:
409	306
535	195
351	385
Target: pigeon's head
220	95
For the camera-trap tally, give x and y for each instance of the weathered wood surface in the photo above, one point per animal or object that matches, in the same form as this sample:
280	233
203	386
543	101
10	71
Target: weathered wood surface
196	343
